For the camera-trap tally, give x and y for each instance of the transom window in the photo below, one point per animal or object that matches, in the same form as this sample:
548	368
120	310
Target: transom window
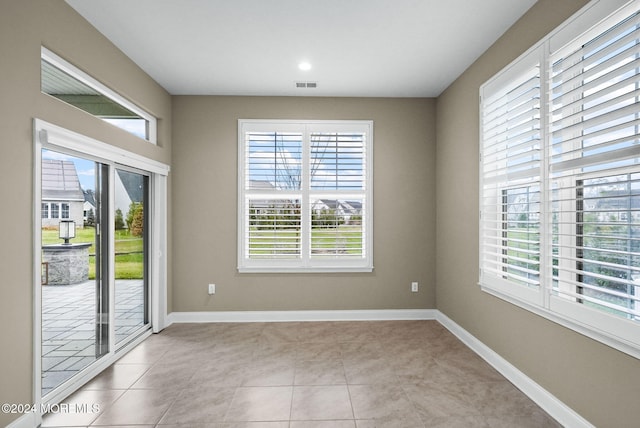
305	196
67	83
560	177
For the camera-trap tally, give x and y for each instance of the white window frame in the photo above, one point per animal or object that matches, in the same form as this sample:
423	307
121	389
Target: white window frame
306	263
617	332
94	84
65	210
56	210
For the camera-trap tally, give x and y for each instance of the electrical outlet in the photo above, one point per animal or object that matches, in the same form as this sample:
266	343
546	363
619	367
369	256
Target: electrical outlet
414	287
212	289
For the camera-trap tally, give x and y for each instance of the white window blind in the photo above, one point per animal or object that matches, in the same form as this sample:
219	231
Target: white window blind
511	162
305	196
274	170
560	176
337	164
594	164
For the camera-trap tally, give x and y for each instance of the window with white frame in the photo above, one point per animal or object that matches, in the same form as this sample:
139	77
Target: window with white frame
305	196
560	176
55	210
64	210
69	84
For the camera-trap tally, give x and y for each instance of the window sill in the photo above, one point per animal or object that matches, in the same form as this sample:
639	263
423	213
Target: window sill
327	269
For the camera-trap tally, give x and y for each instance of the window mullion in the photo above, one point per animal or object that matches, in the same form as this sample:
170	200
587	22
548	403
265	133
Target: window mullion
305	208
546	241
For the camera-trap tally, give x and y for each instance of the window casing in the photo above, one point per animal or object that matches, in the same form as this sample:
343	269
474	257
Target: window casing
559	174
305	196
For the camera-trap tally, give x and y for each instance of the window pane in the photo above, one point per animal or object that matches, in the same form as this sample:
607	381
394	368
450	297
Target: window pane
64	213
69	89
274	228
131	254
336	228
608	241
511	167
274	160
337	161
521	235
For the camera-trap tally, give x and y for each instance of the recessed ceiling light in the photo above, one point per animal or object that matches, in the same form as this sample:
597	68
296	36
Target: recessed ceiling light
304	66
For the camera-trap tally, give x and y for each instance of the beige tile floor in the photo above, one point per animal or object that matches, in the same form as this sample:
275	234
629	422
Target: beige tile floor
379	374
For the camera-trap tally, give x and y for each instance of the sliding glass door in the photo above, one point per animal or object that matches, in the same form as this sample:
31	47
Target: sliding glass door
75	313
94	255
131	253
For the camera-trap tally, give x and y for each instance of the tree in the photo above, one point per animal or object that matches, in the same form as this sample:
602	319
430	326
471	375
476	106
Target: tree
91	218
137	222
133	206
119	221
326	218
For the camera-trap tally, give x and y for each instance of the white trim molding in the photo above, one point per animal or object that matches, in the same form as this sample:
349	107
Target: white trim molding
293	316
28	420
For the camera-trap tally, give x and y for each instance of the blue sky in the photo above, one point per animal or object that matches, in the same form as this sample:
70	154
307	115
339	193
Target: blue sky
84	167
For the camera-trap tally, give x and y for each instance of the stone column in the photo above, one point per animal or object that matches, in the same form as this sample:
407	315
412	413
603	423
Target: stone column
67	263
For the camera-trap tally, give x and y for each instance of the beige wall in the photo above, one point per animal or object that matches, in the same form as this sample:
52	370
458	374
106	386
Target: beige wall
204	171
600	383
25	25
417	185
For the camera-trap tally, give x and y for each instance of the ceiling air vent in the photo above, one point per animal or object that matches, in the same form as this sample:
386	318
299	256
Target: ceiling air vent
306	84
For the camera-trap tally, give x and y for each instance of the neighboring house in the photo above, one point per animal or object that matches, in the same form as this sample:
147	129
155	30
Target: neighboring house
128	189
263	206
344	209
62	196
89	203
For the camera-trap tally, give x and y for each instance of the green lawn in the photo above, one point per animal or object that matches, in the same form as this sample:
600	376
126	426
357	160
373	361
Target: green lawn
129	256
348	238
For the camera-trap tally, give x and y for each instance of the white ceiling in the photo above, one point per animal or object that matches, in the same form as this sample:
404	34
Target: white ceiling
383	48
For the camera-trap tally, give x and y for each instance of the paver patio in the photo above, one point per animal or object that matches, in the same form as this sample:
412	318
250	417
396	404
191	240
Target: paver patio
68	326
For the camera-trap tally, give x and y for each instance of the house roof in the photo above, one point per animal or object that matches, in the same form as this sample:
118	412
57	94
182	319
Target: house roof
60	181
89	197
261	184
132	185
347	206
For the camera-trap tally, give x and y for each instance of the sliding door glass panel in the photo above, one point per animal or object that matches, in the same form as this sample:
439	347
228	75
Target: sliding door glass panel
131	249
74	285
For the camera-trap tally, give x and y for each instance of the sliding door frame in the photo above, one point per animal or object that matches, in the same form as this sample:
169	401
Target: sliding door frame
49	136
147	193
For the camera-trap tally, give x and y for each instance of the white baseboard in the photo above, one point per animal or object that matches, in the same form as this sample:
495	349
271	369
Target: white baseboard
543	398
292	316
28	420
